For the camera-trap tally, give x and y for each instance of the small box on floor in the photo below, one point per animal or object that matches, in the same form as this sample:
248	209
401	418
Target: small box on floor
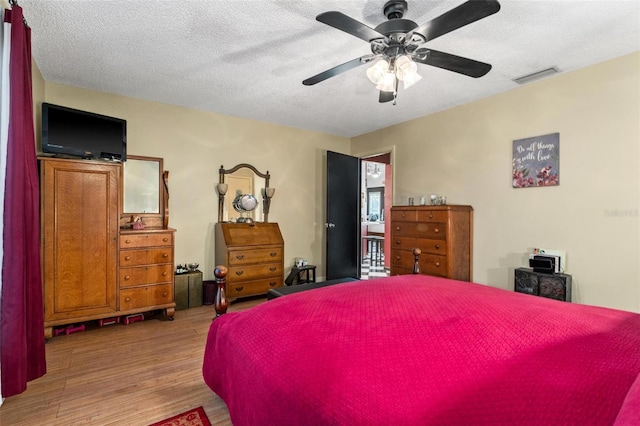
188	290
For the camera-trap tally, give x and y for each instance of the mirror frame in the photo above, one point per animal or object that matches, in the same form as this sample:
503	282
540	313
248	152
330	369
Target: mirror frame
151	220
266	202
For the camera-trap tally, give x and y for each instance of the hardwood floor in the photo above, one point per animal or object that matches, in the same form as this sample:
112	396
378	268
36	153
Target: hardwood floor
123	375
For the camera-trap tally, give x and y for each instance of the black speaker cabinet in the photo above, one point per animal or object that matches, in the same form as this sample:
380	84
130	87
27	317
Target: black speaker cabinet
552	286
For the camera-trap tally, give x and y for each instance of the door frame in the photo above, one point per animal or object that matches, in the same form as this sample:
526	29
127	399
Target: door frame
391	150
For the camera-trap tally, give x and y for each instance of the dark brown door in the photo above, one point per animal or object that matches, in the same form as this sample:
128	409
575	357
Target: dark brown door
343	216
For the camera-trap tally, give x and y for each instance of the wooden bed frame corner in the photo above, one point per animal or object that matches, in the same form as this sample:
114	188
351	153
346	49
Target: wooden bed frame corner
220	272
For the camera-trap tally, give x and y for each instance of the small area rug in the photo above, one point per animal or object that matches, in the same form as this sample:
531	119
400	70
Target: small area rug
194	417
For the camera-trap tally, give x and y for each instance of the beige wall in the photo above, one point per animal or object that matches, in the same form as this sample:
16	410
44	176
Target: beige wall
194	144
37	86
465	154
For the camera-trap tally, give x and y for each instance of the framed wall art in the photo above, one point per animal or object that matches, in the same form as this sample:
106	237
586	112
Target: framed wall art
536	161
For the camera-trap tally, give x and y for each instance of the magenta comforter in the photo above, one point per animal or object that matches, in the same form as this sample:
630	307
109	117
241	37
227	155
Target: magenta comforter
418	350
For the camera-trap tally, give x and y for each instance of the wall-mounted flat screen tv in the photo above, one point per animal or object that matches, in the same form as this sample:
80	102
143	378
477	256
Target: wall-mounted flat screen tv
68	131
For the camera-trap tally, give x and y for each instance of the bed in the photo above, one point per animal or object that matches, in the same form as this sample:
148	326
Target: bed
420	350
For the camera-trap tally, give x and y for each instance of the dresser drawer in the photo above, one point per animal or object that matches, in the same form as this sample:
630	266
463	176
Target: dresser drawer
432	216
427	246
142	275
429	264
146	240
142	297
432	230
254	272
404	215
249	288
146	257
251	256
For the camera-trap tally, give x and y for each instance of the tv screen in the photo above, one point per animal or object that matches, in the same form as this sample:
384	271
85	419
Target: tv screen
69	131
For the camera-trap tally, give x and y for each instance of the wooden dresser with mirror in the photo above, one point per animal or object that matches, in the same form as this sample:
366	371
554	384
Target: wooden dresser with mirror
252	248
95	265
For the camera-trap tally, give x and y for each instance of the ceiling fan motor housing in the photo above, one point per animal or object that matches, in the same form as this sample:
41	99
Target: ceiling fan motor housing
395	9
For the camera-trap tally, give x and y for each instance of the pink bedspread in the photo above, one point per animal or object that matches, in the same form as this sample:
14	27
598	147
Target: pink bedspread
418	350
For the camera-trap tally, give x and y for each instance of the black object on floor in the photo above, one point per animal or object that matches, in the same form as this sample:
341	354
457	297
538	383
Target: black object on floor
274	293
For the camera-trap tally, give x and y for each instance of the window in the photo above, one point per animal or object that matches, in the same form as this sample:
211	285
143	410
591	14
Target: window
375	204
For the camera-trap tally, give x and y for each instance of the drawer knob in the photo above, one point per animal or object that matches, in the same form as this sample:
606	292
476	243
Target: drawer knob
404	215
397	257
273	254
127	241
238	273
165	254
127	299
165	239
273	268
398	242
164	274
437	264
436	230
239	288
240	256
127	258
397	228
127	277
272	284
438	246
165	294
430	215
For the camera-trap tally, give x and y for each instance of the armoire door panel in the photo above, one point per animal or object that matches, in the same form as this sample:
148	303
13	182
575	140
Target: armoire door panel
80	228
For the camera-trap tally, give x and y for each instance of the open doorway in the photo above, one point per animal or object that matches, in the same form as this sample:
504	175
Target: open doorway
375	201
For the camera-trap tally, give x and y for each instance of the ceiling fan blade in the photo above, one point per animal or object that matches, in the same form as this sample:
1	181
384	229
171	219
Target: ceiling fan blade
454	63
349	25
385	97
338	70
458	17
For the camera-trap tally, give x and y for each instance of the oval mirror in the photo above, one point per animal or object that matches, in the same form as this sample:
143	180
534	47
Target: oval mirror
244	194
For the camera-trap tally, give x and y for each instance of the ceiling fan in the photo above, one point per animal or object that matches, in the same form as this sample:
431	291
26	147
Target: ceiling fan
400	43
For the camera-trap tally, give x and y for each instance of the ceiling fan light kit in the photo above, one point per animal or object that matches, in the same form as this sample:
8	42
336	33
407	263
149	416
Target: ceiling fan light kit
400	44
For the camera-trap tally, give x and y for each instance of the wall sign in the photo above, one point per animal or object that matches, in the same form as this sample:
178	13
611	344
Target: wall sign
536	161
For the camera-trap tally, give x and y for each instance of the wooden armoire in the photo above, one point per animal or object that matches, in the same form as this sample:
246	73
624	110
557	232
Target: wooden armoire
82	258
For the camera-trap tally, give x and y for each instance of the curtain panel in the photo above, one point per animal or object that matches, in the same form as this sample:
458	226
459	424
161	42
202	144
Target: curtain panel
22	353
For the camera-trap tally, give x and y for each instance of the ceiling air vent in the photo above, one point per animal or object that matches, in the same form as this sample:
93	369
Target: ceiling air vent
536	75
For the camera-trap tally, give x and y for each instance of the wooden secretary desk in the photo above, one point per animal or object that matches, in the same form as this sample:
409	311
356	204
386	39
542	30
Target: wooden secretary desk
94	265
251	248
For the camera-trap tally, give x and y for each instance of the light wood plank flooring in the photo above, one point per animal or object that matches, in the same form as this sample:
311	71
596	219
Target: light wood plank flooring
123	375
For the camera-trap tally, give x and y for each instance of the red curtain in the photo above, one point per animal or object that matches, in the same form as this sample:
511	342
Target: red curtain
21	315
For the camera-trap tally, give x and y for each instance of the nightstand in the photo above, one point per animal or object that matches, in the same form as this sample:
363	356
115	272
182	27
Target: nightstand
552	286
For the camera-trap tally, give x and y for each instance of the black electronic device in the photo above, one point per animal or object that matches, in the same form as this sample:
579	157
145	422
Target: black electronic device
68	131
541	264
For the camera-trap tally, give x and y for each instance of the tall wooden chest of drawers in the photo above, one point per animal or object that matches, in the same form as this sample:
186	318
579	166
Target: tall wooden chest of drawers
146	271
443	233
254	254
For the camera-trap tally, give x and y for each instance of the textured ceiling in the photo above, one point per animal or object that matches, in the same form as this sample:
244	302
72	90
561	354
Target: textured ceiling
248	58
